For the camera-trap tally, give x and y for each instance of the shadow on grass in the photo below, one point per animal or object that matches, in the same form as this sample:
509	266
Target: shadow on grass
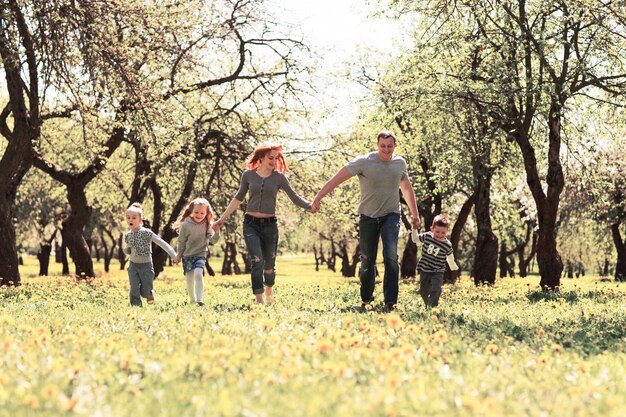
597	296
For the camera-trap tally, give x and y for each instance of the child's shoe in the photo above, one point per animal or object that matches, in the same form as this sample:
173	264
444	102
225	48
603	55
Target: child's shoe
150	300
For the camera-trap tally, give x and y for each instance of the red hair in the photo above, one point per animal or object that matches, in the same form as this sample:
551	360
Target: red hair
253	161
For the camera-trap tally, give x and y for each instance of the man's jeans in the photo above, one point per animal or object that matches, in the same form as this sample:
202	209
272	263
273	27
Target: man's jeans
370	230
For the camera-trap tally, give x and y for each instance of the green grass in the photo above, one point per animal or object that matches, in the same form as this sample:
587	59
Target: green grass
77	348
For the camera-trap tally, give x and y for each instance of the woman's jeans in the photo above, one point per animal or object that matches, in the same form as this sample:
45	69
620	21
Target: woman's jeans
261	236
370	230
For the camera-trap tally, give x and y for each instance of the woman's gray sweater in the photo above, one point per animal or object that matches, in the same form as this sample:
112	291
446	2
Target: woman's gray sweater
263	191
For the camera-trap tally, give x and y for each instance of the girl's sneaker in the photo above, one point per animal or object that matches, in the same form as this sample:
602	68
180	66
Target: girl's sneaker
150	300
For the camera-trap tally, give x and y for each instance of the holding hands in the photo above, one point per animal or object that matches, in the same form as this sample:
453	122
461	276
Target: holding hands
315	206
415	221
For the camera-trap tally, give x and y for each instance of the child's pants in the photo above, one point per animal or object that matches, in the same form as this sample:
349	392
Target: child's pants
141	278
193	267
430	287
195	277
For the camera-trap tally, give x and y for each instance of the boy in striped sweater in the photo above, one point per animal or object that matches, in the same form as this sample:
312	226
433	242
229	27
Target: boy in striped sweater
436	251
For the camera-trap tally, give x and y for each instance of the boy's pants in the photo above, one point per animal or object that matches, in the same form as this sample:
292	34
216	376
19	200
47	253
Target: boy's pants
430	287
141	277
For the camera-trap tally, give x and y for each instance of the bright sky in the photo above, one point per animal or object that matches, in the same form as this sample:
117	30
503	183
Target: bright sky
345	33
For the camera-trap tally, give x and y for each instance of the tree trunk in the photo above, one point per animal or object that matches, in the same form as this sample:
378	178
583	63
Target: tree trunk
408	266
44	258
230	264
121	256
620	265
455	235
72	231
108	253
548	257
524	261
64	262
18	57
486	257
44	254
348	265
503	261
9	271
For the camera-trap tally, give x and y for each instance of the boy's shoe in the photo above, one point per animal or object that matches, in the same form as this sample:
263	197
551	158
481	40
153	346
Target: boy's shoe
201	303
150	300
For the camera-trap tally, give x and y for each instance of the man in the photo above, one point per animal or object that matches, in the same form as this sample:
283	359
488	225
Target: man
380	174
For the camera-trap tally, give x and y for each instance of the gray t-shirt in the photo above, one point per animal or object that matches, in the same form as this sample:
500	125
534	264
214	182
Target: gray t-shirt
263	191
193	238
139	245
379	181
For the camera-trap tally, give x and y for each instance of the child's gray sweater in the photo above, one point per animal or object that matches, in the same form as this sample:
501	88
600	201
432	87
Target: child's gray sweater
194	237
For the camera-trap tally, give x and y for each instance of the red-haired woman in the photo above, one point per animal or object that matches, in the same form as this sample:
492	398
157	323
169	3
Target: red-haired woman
263	178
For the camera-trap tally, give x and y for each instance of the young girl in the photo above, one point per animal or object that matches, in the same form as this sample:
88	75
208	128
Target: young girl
264	177
139	247
195	233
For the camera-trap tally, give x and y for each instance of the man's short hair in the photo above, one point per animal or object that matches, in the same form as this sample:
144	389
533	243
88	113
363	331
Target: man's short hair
384	134
441	220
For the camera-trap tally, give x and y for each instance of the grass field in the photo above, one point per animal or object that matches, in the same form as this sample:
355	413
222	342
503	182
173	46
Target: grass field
77	348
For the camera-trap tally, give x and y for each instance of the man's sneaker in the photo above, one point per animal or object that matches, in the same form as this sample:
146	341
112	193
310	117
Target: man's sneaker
150	300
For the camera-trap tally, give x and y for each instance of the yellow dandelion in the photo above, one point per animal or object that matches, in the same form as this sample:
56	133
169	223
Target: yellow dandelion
221	340
412	328
31	401
7	342
540	332
556	348
49	390
440	336
393	381
434	317
68	403
581	367
324	345
141	338
394	321
491	349
346	321
470	402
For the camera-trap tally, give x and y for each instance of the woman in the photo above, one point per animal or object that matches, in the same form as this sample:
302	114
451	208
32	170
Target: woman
263	178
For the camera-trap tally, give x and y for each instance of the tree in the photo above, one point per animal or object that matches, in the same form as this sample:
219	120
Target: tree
541	55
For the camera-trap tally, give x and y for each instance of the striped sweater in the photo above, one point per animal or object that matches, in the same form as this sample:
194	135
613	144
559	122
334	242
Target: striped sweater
434	253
